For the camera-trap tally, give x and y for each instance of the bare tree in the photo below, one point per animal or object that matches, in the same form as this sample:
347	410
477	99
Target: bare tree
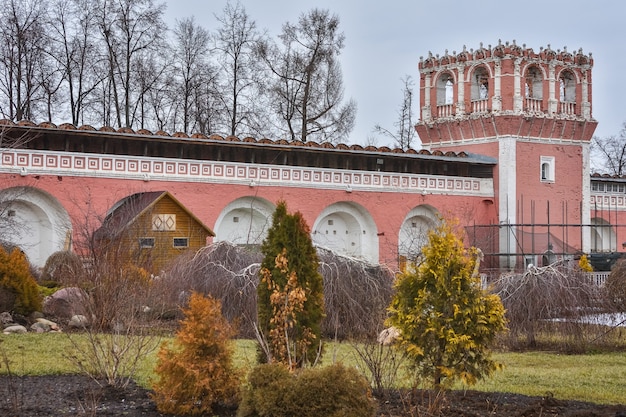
609	154
308	85
73	46
21	34
191	47
405	134
240	73
131	30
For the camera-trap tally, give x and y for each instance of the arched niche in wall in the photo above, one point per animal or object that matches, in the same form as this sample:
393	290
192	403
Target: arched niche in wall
445	89
414	231
480	88
349	229
567	87
603	237
533	83
35	221
244	221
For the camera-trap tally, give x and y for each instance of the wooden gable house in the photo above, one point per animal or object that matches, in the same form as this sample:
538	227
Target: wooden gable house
149	230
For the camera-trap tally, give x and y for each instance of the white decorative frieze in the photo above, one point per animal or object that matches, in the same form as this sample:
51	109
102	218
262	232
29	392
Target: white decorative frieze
604	201
146	169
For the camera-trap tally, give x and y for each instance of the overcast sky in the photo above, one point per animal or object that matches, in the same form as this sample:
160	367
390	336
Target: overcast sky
385	40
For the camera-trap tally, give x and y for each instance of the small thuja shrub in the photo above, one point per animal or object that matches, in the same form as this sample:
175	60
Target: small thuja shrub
287	303
17	283
290	294
331	391
196	373
446	319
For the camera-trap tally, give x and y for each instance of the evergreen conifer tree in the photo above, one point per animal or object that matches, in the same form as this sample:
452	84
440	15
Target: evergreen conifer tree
290	292
446	319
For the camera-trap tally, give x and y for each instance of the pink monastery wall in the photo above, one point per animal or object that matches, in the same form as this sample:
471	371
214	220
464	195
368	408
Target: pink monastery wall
79	195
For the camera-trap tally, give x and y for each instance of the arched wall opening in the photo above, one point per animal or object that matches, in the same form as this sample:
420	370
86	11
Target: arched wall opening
603	238
244	221
349	229
35	221
414	232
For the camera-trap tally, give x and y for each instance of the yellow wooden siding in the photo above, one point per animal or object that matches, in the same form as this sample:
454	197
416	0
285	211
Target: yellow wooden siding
156	258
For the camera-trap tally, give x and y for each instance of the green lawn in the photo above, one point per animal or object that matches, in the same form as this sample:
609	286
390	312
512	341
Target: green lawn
599	378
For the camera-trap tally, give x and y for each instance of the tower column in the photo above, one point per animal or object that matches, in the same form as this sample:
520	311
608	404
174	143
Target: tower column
552	101
497	88
426	108
460	104
518	94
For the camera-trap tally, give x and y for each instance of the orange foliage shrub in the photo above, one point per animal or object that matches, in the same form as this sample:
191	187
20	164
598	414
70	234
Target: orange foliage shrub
196	374
17	281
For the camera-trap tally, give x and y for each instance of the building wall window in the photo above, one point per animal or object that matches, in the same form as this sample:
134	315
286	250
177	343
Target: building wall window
146	242
547	169
181	242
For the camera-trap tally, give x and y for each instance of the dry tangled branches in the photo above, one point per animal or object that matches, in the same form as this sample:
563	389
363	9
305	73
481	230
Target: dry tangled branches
356	294
552	298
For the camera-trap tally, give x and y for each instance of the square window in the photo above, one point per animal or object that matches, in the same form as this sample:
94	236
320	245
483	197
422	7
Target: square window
146	242
181	242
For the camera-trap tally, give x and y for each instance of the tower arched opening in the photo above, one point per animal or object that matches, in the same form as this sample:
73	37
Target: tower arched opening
533	89
445	95
567	92
480	90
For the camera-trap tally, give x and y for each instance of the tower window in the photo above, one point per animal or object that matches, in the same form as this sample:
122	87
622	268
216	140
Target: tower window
480	86
547	169
567	87
445	89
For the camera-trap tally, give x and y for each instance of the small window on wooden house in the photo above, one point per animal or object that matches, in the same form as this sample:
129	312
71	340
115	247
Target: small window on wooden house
164	222
146	242
181	242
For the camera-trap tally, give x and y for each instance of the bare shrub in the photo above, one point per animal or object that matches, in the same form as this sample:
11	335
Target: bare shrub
227	272
381	364
550	300
64	268
111	358
615	286
356	294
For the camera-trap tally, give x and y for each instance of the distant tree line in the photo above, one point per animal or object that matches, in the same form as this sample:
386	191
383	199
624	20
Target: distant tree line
116	63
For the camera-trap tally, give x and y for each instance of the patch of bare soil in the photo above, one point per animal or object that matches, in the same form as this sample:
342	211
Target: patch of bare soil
69	395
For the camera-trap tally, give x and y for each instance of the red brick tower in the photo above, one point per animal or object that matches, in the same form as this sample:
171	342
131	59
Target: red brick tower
531	111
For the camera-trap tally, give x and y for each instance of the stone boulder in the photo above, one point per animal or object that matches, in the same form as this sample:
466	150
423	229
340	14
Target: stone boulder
78	321
66	303
5	318
16	328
